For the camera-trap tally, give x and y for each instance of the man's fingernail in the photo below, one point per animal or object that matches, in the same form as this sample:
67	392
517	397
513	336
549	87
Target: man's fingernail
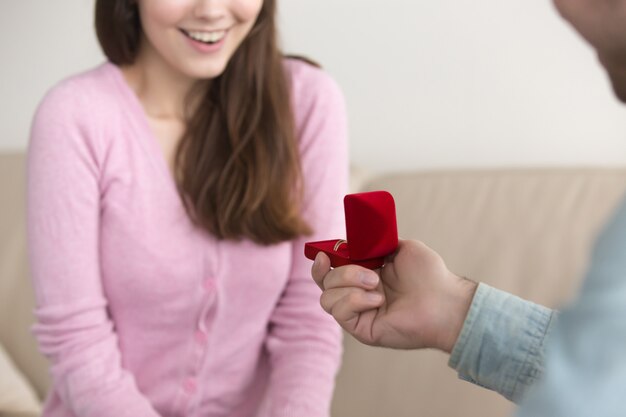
369	278
316	261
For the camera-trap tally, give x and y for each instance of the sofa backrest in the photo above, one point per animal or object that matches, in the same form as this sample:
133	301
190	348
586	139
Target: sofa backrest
16	295
525	231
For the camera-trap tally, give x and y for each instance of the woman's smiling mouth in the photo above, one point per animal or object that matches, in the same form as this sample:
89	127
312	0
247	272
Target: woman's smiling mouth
205	37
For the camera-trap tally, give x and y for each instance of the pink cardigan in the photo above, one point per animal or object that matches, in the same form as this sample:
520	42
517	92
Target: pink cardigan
141	313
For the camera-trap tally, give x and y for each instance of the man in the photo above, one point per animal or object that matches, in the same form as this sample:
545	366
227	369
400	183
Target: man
496	339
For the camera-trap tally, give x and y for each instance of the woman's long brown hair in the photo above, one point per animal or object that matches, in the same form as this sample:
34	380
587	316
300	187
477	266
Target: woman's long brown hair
237	165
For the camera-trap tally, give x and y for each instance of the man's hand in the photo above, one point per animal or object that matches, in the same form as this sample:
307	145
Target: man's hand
412	302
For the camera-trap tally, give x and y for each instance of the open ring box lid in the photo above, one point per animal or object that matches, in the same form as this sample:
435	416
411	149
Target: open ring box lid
371	229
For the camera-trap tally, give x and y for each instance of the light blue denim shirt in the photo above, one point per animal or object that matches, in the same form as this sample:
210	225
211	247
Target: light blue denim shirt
501	345
504	339
585	372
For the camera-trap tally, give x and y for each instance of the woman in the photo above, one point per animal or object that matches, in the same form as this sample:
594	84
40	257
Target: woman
170	192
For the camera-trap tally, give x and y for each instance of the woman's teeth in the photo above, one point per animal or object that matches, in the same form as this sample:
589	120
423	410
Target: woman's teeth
206	37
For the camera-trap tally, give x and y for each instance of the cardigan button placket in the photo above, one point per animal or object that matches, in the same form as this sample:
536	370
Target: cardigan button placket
209	285
190	385
201	337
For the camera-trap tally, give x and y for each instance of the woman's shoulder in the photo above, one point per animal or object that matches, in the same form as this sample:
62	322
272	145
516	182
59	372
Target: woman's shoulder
311	85
77	111
82	94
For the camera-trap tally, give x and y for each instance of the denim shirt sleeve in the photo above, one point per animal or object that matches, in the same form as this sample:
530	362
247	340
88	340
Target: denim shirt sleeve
586	355
501	345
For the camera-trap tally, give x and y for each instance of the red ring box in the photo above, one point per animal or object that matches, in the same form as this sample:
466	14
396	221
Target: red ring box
371	229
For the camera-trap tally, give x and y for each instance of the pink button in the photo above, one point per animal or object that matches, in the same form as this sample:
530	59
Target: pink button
190	385
209	284
201	337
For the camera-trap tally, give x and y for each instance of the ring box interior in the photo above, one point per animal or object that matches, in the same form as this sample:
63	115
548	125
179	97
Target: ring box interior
371	230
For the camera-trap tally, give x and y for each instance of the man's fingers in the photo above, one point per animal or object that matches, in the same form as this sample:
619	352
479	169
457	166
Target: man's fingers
351	276
344	276
320	268
345	304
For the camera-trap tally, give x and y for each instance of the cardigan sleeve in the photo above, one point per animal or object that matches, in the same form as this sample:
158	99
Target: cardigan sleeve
304	343
72	326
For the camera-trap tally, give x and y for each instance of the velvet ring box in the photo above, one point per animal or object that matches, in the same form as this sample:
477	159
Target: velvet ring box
371	229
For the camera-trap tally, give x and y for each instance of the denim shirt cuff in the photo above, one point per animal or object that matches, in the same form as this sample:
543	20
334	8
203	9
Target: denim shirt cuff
501	345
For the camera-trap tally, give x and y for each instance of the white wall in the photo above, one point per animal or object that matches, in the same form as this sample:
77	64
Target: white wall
445	83
41	43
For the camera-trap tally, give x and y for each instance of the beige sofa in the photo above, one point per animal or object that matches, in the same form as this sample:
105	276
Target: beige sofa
525	231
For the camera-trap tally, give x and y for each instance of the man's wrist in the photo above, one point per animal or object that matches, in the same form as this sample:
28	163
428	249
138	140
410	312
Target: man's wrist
460	300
